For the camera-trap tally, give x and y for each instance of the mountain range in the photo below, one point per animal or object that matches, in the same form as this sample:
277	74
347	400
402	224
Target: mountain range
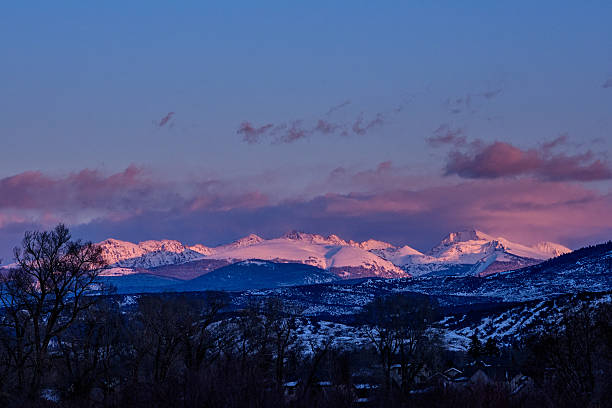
463	253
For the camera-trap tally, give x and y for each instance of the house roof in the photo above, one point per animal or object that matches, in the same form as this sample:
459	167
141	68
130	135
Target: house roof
453	372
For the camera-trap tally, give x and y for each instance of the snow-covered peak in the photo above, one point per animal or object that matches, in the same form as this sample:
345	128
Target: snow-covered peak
204	250
472	246
114	250
551	248
348	262
372	244
147	253
407	250
162	245
113	241
404	255
332	253
250	239
299	236
465	236
335	240
314	238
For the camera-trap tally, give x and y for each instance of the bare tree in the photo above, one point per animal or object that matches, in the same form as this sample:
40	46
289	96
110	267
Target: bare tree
203	342
279	326
166	321
396	326
266	332
571	360
94	351
43	296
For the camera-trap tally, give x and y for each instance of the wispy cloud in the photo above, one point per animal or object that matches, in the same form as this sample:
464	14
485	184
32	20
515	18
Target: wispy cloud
252	134
286	133
293	132
337	107
445	135
560	140
164	121
470	102
325	127
298	129
492	93
361	126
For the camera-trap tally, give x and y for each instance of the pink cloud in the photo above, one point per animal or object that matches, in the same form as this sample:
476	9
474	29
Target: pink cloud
527	211
479	160
85	189
385	202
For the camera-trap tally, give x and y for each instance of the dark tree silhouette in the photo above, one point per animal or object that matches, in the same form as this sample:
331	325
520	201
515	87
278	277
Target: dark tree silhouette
396	326
43	296
476	348
490	348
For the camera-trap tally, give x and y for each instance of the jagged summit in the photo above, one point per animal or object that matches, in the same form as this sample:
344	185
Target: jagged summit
300	236
250	239
149	253
465	235
333	239
371	244
314	238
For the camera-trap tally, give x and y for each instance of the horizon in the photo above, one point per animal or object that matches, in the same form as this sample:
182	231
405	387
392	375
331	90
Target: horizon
203	123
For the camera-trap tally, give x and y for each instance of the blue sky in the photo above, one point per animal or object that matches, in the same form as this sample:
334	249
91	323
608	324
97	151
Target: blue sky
84	86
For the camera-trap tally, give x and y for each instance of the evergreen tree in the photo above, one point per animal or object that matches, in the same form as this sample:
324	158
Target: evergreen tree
476	349
491	348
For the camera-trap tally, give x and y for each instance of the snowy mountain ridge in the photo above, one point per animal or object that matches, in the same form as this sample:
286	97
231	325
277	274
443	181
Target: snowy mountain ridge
150	253
470	246
347	259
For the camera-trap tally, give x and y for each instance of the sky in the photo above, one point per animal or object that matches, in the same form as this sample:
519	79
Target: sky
400	121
